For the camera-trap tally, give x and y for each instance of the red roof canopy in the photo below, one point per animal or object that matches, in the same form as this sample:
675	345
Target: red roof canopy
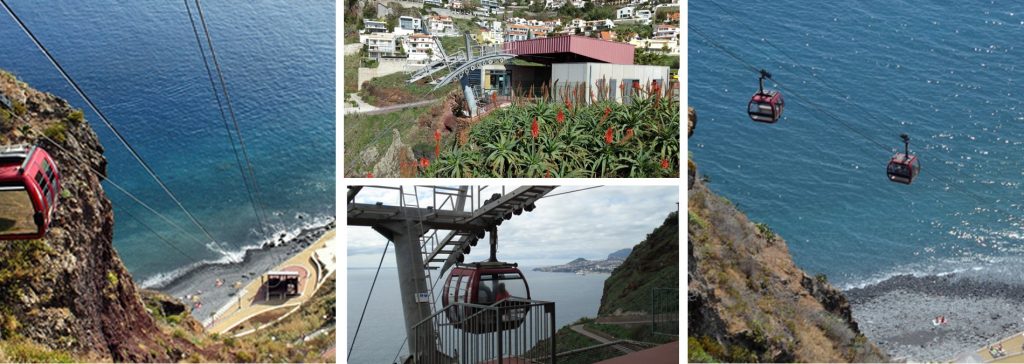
571	48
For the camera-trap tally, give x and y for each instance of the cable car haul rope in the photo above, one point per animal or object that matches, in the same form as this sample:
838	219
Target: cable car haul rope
249	179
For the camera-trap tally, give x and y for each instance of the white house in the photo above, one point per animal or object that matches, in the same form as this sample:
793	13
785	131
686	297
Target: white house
624	13
598	25
437	24
553	4
380	45
410	23
665	31
661	45
644	15
374	26
578	23
421	48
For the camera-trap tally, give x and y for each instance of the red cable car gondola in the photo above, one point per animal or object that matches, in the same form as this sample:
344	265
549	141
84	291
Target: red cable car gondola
487	283
903	167
765	106
29	184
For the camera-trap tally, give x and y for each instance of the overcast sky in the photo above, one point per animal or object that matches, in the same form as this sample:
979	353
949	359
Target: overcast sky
588	224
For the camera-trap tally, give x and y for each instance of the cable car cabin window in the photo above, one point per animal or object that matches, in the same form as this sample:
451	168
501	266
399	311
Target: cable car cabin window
16	211
496	287
44	186
457	293
50	181
759	108
462	289
899	170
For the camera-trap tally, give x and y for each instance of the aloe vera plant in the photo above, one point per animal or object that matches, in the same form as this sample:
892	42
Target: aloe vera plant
569	133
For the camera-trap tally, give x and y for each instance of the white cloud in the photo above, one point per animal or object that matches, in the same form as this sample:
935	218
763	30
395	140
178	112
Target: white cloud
589	224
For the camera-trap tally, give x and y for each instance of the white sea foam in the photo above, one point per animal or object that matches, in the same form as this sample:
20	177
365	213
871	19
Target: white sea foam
982	268
235	256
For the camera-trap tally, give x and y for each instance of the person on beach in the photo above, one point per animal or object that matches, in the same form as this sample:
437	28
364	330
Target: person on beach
219	282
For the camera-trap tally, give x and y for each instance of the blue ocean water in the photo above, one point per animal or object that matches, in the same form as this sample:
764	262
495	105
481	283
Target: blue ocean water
949	75
381	335
139	62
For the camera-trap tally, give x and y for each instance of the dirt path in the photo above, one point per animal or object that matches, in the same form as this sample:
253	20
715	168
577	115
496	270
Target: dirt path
372	110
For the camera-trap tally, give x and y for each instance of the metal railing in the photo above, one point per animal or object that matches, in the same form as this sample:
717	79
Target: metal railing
505	332
665	311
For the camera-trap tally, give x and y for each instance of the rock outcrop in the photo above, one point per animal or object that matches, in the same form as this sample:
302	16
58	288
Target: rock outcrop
70	291
691	125
748	301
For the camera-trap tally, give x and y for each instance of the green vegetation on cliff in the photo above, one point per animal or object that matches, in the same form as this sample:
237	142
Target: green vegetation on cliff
625	312
654	263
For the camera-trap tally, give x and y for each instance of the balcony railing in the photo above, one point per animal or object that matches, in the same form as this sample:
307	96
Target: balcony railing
509	331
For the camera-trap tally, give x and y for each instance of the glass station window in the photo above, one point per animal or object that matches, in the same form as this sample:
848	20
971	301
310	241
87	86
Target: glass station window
16	211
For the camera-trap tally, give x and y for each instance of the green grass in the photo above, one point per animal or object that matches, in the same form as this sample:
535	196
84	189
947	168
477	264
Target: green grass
696	352
652	264
365	131
453	45
694	219
76	117
56	132
397	84
24	351
351	74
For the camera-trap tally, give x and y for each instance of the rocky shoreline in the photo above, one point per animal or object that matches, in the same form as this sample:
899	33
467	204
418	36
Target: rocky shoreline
202	280
897	314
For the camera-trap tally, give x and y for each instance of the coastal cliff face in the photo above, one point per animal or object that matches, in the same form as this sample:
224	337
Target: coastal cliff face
748	301
653	263
69	292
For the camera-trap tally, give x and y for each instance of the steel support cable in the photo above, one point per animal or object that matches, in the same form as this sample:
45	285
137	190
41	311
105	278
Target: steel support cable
367	303
864	111
224	119
715	44
824	111
568	192
795	62
151	230
103	117
118	187
231	109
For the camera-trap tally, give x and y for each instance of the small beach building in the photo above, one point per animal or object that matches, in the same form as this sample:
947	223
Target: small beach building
281	284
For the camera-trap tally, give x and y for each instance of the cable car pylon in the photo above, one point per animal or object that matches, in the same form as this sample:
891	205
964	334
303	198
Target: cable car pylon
407	224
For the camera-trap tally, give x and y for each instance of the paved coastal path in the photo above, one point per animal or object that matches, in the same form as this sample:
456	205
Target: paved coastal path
316	262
